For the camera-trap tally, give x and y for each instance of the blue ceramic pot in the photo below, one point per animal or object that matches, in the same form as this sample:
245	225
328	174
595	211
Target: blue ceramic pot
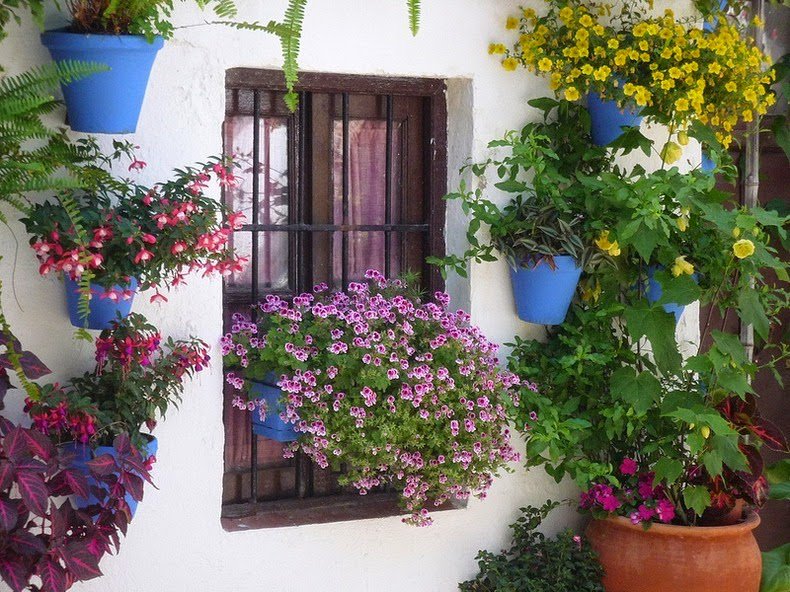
707	164
82	453
105	102
103	311
543	295
712	25
272	426
607	119
654	291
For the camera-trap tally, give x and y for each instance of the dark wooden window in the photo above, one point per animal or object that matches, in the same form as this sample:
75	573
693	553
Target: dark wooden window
352	180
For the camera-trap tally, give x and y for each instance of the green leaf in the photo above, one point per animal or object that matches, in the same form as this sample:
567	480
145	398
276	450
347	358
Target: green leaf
776	570
679	290
734	380
645	243
697	498
713	462
752	312
639	390
659	328
730	344
667	470
781	131
511	186
731	455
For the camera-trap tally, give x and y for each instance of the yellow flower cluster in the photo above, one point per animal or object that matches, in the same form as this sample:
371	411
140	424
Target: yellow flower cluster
675	72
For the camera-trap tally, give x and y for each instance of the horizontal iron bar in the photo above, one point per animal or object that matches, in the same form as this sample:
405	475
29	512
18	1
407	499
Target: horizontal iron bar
337	227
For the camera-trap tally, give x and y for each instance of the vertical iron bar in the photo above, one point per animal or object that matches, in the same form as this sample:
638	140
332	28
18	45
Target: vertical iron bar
296	214
344	235
388	190
256	155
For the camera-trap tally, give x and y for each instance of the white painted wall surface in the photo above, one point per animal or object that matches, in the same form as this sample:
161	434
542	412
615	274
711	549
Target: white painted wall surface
176	543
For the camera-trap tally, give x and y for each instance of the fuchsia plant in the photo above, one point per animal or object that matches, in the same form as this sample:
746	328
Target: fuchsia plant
116	229
404	393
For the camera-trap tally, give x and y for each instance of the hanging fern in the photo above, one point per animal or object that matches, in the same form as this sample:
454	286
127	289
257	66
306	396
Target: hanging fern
413	7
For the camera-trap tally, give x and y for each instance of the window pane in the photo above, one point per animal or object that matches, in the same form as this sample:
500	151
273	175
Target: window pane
367	162
272	198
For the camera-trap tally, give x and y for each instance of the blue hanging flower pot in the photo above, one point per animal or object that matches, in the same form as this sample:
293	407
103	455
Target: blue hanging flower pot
543	294
272	425
707	164
105	102
104	307
607	119
82	453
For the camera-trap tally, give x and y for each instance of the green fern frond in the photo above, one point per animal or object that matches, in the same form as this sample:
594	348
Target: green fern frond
413	7
291	39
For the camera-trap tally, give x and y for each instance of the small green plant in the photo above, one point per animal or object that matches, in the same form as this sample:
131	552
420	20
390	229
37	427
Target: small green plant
776	570
545	167
536	563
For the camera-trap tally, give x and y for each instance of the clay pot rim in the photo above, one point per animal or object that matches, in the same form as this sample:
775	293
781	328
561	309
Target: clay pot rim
749	523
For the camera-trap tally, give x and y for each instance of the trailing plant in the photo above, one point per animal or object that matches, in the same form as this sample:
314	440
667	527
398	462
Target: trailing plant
156	235
546	167
46	540
613	383
403	393
24	364
137	378
536	563
674	71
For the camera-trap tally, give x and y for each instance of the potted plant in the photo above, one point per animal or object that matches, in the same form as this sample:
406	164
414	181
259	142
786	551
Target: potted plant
542	232
537	563
666	449
117	236
137	378
123	38
45	539
402	393
663	65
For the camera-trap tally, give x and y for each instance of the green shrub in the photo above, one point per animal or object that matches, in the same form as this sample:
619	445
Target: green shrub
534	563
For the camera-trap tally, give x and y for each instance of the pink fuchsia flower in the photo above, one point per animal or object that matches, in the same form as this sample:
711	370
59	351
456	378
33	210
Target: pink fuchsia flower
178	247
578	540
158	297
137	165
628	466
236	220
143	255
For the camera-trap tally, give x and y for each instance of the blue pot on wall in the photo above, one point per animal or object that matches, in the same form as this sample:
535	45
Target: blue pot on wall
272	426
103	311
707	164
607	119
82	453
712	25
105	102
654	291
542	294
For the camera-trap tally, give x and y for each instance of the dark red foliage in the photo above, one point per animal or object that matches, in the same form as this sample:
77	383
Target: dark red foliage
60	544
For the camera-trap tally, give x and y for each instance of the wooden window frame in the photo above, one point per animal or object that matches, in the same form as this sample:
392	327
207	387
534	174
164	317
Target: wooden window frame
311	510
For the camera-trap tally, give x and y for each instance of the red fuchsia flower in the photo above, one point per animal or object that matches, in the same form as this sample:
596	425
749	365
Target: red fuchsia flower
236	220
178	247
628	466
137	165
158	297
143	255
148	238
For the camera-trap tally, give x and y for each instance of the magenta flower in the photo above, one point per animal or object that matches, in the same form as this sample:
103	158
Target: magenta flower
628	466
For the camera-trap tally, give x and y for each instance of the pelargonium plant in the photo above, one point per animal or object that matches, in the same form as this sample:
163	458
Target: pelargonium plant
137	377
403	393
116	229
43	537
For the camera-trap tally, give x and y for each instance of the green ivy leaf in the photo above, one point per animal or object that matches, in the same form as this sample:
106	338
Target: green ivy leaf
667	469
639	390
659	327
753	313
679	290
697	498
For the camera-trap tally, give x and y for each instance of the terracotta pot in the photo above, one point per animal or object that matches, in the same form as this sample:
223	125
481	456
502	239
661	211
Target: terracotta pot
668	558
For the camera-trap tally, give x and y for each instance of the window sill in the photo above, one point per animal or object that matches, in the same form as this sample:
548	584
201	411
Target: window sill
318	510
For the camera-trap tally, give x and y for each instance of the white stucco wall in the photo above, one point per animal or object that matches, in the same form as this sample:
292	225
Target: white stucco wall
176	543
